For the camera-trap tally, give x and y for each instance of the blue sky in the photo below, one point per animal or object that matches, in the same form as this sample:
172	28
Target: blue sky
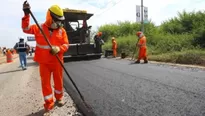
105	11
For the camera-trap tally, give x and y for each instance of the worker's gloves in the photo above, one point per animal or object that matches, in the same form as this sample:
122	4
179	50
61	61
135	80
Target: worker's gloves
54	50
26	8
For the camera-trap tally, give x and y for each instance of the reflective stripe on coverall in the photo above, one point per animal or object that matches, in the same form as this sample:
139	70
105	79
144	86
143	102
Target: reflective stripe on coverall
142	49
114	48
48	63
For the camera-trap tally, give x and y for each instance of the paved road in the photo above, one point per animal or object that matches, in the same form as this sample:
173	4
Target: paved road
118	88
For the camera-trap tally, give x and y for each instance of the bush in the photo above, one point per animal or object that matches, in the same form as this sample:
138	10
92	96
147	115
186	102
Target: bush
185	57
122	29
157	44
170	42
125	44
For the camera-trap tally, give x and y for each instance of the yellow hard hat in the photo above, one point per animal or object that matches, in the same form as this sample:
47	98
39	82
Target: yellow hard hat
56	12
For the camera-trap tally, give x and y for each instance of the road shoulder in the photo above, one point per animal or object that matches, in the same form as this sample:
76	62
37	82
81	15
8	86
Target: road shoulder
21	92
165	63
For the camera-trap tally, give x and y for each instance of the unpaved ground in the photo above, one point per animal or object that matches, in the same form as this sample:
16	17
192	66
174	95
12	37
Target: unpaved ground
21	92
3	58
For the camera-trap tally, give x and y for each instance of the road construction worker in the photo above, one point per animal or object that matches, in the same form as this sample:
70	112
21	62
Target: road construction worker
142	47
4	51
21	47
45	56
114	47
98	42
1	51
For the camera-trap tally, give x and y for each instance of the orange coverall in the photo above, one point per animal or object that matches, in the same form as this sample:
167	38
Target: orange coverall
48	63
142	49
114	48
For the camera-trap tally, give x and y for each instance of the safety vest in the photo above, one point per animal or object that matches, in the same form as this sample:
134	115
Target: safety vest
21	47
114	45
143	42
47	46
42	52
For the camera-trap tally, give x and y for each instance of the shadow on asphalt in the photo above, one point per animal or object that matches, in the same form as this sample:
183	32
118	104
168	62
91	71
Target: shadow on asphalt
75	59
10	71
132	63
32	64
30	57
39	113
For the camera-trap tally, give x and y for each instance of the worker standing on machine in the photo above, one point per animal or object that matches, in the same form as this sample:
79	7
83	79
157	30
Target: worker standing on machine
98	42
45	56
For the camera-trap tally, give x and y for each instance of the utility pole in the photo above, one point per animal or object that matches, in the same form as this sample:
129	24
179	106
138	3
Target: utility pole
142	17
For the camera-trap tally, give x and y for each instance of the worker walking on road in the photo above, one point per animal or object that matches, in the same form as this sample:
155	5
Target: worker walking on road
114	47
21	47
45	56
142	47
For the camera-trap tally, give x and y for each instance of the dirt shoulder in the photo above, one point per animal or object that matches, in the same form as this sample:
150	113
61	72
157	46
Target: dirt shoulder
21	92
3	58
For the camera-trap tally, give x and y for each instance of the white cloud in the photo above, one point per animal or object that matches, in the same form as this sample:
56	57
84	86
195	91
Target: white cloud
105	11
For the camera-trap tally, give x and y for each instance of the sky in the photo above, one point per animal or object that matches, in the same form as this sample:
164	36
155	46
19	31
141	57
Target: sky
105	12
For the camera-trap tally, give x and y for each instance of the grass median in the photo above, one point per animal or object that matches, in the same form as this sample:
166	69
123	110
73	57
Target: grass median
180	39
163	50
194	57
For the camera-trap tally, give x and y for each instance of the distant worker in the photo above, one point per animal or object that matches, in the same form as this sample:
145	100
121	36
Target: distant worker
21	47
142	47
1	51
45	56
98	42
114	47
4	51
30	51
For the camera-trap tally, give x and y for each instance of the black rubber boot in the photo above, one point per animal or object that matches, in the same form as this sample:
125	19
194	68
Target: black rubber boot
60	103
145	61
137	62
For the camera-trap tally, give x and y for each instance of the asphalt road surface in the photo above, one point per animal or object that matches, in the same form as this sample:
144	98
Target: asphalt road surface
118	88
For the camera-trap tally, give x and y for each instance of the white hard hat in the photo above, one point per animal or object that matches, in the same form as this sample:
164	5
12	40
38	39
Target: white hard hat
21	38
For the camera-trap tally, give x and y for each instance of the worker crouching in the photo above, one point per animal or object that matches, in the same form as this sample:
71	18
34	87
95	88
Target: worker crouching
45	56
142	47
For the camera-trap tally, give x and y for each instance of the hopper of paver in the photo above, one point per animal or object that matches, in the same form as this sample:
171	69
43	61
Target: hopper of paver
78	33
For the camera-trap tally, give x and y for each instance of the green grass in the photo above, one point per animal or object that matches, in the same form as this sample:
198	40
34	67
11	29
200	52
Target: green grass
196	57
167	49
125	44
180	39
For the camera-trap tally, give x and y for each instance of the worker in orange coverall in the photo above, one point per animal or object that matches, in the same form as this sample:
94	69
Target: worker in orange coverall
114	47
45	56
142	47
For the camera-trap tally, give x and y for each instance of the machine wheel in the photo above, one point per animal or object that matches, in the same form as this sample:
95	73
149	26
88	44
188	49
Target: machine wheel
97	56
106	53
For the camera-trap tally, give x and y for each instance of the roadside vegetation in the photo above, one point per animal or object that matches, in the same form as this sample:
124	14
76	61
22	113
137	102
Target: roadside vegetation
180	39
